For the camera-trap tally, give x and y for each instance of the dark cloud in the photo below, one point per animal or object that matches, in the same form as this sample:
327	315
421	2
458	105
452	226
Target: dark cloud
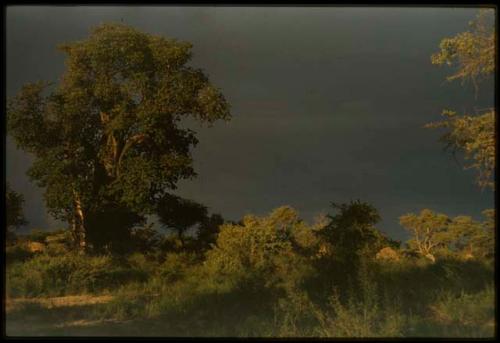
328	103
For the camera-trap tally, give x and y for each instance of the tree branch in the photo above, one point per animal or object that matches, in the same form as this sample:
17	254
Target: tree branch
139	138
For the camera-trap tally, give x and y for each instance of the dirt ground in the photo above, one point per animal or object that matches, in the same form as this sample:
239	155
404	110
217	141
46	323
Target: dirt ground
59	316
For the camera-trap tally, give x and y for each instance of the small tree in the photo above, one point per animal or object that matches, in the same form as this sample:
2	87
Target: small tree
352	232
180	214
208	230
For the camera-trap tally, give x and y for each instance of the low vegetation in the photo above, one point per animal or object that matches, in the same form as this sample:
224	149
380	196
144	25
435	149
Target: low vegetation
265	276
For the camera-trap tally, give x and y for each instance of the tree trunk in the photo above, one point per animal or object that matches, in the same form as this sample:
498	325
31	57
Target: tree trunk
180	236
79	232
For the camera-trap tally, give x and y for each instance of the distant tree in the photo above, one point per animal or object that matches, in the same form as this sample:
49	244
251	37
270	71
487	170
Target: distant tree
489	223
109	135
14	208
14	215
471	238
435	232
473	53
429	231
484	240
146	240
352	232
180	214
208	230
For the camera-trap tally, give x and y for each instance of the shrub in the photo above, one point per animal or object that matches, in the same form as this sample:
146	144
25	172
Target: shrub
37	235
388	254
365	313
268	250
175	266
67	274
468	314
17	253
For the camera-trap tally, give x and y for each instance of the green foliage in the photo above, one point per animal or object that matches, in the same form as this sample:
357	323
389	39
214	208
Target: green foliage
429	231
435	233
14	209
416	284
175	266
66	274
111	229
39	235
180	214
465	314
359	319
146	240
17	253
269	277
473	52
473	238
351	233
295	315
263	250
107	141
475	136
208	231
110	146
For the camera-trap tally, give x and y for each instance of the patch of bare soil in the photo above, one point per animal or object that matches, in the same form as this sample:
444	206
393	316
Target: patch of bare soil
52	316
70	300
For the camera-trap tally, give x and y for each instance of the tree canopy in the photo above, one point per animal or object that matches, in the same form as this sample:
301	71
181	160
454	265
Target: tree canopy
352	232
110	135
14	202
473	54
180	214
433	232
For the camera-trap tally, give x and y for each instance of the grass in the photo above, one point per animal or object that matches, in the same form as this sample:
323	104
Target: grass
180	295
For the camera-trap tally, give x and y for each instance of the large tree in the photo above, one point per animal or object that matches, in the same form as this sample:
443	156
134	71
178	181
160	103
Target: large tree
108	140
472	54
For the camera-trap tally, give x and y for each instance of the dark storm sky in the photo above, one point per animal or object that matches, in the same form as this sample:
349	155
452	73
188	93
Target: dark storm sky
328	104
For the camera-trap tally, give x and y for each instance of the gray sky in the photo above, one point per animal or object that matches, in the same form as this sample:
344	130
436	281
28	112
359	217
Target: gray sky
328	104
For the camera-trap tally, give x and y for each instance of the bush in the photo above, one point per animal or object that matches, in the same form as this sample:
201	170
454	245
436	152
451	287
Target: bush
175	266
470	315
357	319
269	276
364	312
17	253
46	275
270	251
142	263
37	235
